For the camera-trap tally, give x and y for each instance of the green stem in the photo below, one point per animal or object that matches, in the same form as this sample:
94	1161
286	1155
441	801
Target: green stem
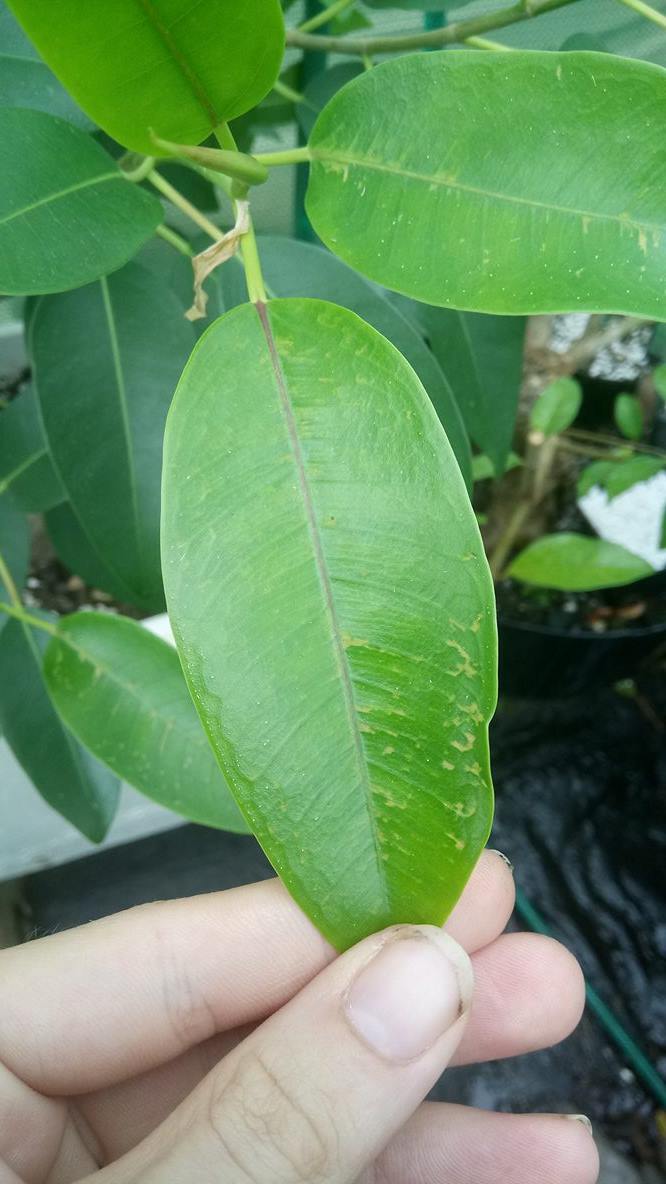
484	43
646	10
231	163
7	579
288	92
141	171
19	613
433	39
327	14
181	203
507	538
254	279
614	442
285	156
181	244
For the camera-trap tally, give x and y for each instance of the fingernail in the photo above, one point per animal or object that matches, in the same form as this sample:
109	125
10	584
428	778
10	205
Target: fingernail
500	855
583	1119
413	990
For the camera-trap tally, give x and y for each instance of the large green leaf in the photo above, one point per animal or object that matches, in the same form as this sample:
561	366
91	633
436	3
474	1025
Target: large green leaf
333	610
67	776
14	551
25	81
482	358
528	182
293	268
26	471
157	65
77	554
121	691
111	355
576	563
67	214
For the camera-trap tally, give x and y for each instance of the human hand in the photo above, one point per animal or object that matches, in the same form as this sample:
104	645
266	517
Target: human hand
129	1051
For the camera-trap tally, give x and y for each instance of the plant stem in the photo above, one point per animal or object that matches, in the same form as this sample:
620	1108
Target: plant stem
322	18
181	244
181	203
141	171
508	537
19	613
647	11
614	442
285	156
288	92
587	347
7	580
432	39
484	43
254	279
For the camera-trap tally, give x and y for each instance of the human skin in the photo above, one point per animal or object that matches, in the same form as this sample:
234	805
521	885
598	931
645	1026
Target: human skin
221	1039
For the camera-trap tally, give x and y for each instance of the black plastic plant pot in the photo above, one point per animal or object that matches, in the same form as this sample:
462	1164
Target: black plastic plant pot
544	662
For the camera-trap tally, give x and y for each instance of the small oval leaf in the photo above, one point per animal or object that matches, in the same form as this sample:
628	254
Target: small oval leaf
159	66
628	415
122	693
556	407
575	563
67	214
333	610
450	205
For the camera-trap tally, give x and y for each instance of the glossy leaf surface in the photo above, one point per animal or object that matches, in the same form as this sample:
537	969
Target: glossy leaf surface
293	268
628	416
450	205
157	64
333	610
67	214
576	563
556	407
121	691
26	471
107	449
66	775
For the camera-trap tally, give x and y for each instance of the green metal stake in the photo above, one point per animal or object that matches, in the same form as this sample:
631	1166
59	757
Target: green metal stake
641	1065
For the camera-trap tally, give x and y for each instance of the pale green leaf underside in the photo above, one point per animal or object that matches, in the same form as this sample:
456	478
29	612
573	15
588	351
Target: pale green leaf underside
575	563
67	215
159	65
527	183
122	692
333	610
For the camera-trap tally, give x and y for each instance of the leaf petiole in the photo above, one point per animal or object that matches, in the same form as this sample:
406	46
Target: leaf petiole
16	611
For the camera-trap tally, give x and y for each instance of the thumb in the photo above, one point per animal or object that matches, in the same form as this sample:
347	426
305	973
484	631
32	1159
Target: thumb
318	1090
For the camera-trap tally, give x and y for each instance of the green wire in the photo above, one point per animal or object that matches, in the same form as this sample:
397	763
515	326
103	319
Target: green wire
643	1068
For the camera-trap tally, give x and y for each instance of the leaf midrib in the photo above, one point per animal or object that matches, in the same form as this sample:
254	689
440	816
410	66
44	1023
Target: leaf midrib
124	410
325	583
323	155
178	57
51	197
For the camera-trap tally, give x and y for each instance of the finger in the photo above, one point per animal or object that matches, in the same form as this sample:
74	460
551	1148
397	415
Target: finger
465	1146
529	994
317	1091
162	978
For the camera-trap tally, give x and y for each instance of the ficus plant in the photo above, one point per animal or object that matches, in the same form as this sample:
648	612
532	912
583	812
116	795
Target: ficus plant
318	554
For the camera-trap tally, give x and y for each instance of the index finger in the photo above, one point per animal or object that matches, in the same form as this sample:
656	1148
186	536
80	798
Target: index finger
93	1006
